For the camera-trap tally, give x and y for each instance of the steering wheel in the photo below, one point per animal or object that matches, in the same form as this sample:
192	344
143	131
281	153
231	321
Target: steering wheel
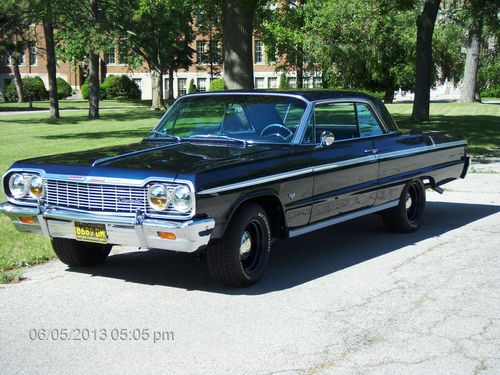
276	130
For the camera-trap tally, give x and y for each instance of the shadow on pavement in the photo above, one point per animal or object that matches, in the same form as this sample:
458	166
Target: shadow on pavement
293	262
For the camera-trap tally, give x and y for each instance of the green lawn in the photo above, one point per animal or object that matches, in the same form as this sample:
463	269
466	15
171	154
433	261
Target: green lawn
71	104
479	123
33	134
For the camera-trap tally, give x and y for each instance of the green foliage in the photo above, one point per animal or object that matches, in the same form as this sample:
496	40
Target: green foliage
33	89
192	87
64	90
283	84
217	84
447	49
363	44
84	90
491	92
119	87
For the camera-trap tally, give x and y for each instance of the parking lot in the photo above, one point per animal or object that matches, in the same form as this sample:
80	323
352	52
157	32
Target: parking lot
348	299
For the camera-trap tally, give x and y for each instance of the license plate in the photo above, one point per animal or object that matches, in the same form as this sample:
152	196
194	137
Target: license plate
91	232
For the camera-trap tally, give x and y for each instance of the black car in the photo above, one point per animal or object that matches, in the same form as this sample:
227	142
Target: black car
225	173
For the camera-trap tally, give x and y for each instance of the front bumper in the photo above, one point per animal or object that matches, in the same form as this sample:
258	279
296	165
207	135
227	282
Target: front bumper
121	230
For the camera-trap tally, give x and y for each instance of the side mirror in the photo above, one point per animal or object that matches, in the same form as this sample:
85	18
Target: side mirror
326	138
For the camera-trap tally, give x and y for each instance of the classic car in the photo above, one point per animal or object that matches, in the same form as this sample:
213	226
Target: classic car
223	174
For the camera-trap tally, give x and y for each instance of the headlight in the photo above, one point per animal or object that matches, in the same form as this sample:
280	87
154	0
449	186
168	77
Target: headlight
158	197
182	199
36	187
18	185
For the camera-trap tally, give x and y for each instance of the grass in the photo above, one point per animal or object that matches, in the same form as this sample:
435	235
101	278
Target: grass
71	104
33	134
479	123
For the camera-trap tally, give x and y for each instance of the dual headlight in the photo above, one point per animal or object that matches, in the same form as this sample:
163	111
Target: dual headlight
160	198
26	186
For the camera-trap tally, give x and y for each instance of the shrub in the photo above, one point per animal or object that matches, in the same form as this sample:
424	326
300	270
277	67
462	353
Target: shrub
84	89
11	93
63	88
120	87
283	84
217	84
489	92
33	89
192	87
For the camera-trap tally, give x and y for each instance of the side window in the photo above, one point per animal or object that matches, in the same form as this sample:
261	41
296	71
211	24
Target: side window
309	136
337	118
368	123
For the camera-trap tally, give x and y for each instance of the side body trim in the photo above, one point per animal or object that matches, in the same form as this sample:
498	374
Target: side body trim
341	218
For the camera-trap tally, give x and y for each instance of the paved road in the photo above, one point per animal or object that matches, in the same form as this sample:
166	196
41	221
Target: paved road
352	299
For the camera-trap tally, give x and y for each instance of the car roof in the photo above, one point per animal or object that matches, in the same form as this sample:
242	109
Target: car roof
309	95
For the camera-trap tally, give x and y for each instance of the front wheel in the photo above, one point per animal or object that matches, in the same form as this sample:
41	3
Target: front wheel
407	215
240	257
80	254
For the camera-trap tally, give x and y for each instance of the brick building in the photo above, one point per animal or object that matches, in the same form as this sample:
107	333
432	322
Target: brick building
34	64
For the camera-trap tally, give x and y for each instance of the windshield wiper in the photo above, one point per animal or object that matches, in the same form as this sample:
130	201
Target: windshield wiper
163	136
218	137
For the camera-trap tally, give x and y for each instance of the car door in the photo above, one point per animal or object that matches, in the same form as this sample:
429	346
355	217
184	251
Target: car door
345	172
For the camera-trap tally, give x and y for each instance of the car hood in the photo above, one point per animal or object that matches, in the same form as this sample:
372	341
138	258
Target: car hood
145	159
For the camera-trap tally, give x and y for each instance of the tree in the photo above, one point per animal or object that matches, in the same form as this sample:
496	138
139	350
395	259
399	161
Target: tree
477	15
160	31
283	33
237	31
425	29
208	16
363	45
192	87
15	35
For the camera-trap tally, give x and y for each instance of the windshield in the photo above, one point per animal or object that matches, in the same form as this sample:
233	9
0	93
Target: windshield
251	118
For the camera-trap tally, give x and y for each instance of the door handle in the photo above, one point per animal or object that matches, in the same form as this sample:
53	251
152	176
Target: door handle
373	151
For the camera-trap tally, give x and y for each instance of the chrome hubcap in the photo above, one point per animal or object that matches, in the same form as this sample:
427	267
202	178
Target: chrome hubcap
246	245
408	201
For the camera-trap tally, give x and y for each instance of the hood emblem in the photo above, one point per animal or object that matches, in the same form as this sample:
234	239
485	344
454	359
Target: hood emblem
130	200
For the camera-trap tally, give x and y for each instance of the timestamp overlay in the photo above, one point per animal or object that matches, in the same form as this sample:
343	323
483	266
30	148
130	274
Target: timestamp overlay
101	334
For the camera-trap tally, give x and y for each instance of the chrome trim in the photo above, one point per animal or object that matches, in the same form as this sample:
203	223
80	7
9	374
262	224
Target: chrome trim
257	181
255	93
191	235
342	218
323	167
301	129
344	163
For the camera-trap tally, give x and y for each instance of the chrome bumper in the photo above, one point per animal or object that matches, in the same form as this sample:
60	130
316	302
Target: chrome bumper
121	230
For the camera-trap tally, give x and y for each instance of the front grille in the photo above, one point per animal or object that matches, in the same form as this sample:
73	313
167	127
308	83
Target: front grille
102	198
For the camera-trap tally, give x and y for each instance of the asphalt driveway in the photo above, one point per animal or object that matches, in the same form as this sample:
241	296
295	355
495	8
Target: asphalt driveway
346	300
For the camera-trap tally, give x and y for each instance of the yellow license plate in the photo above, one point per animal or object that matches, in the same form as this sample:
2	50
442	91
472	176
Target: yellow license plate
91	232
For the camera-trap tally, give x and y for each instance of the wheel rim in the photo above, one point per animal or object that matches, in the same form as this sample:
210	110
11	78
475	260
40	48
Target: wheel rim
251	247
411	203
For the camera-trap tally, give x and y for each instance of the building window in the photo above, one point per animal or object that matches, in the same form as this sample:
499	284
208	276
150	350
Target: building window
201	84
123	54
33	55
272	82
4	59
109	56
259	52
201	52
138	82
307	83
317	82
181	86
166	86
259	83
292	82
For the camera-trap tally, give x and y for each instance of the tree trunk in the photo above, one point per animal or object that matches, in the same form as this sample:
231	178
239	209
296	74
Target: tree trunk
237	30
425	30
300	67
171	84
93	71
48	31
389	95
18	82
471	64
157	90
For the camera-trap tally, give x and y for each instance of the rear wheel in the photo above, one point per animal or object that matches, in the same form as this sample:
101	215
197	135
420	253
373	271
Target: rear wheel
407	215
80	254
240	257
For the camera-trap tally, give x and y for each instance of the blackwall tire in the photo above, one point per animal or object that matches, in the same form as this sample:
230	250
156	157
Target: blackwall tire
80	254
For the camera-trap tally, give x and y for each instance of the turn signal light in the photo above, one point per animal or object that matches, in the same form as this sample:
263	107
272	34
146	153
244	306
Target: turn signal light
27	220
167	235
